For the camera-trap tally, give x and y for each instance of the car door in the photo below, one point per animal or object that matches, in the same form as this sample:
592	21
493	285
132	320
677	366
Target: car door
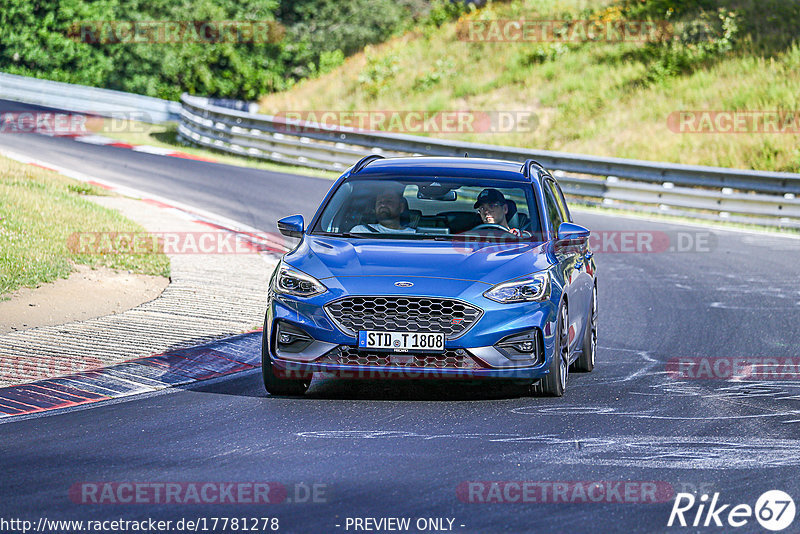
585	276
570	258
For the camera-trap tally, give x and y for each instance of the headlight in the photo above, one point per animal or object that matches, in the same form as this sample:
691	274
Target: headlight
290	281
530	288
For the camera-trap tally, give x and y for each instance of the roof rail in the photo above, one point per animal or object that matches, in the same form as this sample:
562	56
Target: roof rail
363	162
526	167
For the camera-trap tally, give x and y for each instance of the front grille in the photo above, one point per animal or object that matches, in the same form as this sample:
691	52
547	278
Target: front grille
449	359
404	314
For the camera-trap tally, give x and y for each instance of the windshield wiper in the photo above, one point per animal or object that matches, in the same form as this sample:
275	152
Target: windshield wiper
399	236
435	237
344	234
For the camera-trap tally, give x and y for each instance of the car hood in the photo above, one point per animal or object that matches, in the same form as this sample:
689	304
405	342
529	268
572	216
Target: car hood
490	263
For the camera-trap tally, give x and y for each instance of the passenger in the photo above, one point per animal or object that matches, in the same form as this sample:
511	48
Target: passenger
389	206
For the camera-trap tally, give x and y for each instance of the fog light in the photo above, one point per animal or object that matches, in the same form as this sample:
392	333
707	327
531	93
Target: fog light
291	338
524	346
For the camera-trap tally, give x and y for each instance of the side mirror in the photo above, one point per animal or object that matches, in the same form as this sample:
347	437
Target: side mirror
568	231
292	226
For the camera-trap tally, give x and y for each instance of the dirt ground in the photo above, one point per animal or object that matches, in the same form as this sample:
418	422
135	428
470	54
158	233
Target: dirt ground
86	294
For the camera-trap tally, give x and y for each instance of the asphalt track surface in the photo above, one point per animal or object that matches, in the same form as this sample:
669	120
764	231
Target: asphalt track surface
403	448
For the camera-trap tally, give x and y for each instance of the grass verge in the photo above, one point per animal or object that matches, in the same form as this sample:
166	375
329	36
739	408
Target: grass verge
39	210
602	98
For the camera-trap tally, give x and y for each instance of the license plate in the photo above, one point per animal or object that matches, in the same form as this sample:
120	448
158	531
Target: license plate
401	341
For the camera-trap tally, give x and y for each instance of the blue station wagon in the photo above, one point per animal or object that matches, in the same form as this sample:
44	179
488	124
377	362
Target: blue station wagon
426	267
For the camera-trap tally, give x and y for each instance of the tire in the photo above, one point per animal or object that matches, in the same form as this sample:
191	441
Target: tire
555	382
276	385
585	362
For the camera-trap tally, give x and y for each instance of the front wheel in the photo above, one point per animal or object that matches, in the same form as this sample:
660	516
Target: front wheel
555	382
585	362
277	385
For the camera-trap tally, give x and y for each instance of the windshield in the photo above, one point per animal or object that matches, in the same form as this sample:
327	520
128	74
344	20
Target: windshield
438	208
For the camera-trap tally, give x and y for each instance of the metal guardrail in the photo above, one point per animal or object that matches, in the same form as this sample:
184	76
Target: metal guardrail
83	99
754	197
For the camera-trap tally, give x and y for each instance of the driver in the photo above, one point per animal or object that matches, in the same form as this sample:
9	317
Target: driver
389	205
493	208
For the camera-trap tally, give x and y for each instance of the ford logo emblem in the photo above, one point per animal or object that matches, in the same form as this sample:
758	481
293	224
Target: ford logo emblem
404	284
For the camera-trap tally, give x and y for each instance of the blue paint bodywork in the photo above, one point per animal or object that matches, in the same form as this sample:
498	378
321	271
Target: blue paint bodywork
463	271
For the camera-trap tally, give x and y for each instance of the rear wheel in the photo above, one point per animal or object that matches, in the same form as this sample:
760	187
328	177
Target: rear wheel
585	362
275	384
555	382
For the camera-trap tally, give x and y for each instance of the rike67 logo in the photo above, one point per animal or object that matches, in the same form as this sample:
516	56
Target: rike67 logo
774	510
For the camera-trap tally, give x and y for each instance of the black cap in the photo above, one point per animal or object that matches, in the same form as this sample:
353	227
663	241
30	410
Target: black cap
489	195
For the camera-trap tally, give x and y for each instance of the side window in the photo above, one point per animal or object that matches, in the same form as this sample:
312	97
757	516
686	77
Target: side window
562	203
553	211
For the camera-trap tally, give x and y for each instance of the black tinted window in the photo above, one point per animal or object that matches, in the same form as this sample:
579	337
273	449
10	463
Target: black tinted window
551	204
562	203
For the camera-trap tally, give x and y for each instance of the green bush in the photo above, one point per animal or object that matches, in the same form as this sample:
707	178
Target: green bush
706	31
321	27
442	11
442	68
42	39
329	60
378	73
697	42
766	26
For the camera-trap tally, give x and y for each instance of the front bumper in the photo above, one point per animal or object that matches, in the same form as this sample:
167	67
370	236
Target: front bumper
290	368
473	355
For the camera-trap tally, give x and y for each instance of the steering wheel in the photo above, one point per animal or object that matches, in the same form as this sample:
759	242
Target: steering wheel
490	226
